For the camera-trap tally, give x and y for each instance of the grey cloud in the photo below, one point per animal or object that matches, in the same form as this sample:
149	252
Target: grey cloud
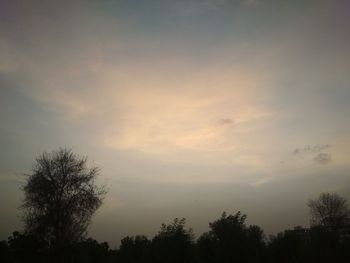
317	148
319	153
323	158
225	121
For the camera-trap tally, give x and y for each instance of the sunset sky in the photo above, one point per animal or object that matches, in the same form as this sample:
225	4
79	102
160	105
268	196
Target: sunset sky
189	107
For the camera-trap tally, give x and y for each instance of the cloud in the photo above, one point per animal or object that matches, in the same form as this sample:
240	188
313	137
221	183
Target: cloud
318	153
311	149
226	121
186	116
323	158
158	98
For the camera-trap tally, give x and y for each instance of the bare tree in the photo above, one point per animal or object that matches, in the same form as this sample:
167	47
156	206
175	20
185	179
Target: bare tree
60	197
330	210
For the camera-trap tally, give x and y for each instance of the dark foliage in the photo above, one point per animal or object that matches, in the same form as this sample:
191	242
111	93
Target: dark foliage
134	249
5	254
91	251
60	199
317	244
230	240
173	243
24	248
329	210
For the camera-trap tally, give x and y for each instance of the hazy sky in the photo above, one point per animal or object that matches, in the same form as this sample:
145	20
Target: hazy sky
189	107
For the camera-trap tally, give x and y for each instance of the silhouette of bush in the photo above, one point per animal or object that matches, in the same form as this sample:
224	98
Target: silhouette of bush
28	248
91	251
173	243
134	249
230	240
5	252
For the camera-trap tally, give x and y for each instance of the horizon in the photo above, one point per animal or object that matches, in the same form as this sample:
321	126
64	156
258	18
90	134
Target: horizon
189	108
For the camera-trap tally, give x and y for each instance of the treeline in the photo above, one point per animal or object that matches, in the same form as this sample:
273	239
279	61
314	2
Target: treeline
60	198
229	239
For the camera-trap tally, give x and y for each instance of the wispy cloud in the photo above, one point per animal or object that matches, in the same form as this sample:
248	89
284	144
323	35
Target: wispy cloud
323	158
141	89
318	152
163	120
225	121
311	149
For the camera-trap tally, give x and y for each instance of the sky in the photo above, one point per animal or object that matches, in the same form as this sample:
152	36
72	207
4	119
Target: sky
189	107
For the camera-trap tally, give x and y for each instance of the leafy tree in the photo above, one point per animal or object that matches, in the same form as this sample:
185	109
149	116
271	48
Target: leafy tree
329	210
173	243
27	248
5	253
286	247
134	249
60	197
255	243
89	250
230	240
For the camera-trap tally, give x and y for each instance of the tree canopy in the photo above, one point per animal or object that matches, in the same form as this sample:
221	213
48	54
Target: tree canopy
329	210
60	197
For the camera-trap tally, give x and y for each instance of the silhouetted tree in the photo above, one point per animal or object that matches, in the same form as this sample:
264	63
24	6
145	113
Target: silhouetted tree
5	253
316	244
27	248
89	250
60	199
329	210
134	250
323	245
328	239
173	243
286	247
230	240
256	243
